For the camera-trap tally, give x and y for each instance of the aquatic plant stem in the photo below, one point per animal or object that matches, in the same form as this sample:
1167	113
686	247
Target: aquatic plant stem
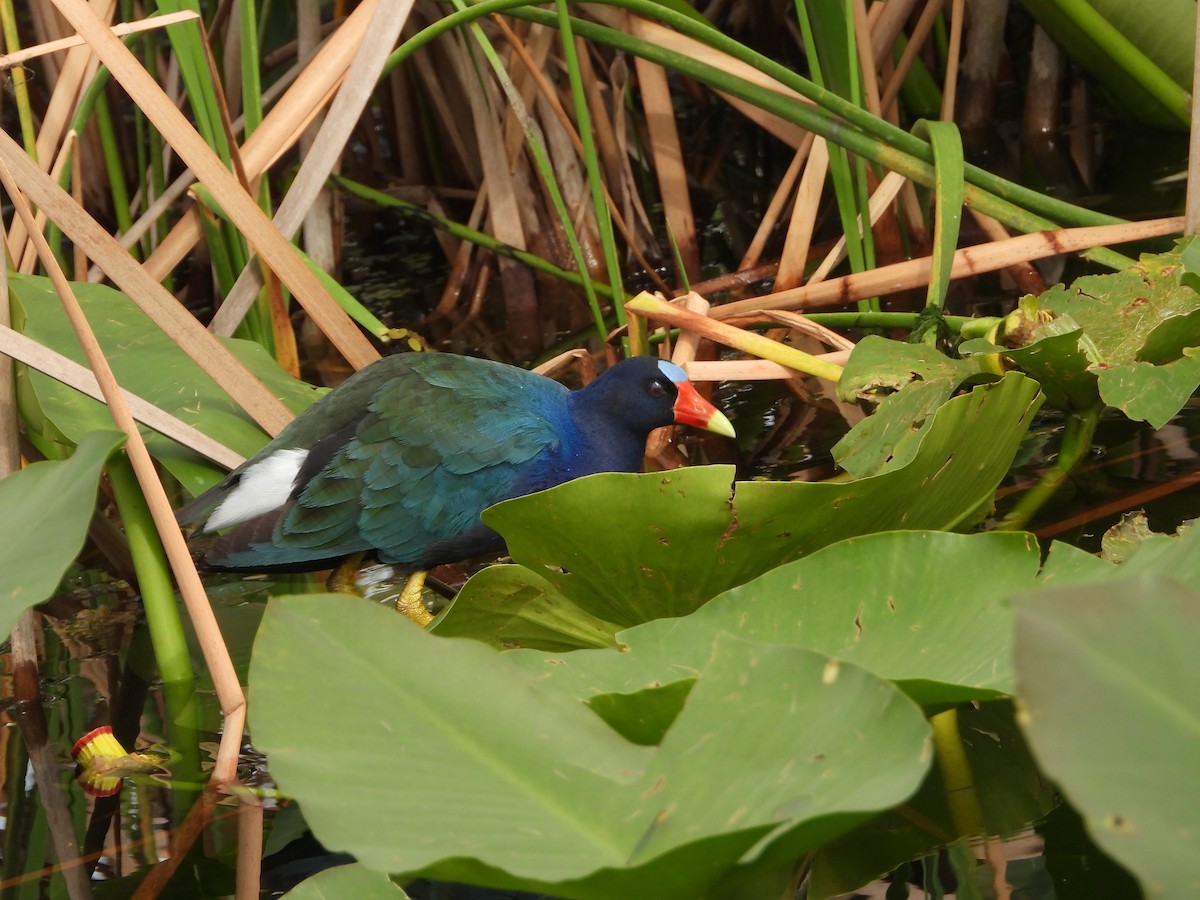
250	844
885	320
959	783
165	626
18	78
153	574
1078	431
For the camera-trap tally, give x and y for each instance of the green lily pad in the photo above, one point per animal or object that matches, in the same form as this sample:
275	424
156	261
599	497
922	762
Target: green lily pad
897	604
1067	564
1061	365
880	365
651	546
48	509
1178	555
1120	311
457	768
1110	698
1129	339
515	607
1150	393
1171	338
146	362
1138	330
891	436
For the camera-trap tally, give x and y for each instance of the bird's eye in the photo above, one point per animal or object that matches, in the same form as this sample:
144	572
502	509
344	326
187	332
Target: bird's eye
657	389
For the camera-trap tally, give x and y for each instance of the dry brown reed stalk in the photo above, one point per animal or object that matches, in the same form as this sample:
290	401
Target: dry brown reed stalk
1192	210
805	209
10	446
967	261
343	115
69	372
950	83
68	84
275	249
580	360
568	167
915	41
770	217
281	127
249	845
212	356
20	57
866	56
1023	273
814	330
667	156
790	134
460	263
885	193
510	216
208	633
887	21
28	258
680	43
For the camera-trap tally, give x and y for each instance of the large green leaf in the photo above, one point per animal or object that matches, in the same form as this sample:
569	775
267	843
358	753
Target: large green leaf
899	604
1109	690
146	362
515	607
347	881
630	548
1151	393
891	436
432	755
47	507
1166	37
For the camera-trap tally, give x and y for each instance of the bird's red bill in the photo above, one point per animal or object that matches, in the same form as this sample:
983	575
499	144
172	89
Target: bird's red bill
692	409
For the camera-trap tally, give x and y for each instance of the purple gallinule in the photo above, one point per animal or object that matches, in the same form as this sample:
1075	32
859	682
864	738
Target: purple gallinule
402	458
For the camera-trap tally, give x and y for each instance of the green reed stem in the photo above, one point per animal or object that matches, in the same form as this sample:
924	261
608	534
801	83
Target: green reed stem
20	83
154	575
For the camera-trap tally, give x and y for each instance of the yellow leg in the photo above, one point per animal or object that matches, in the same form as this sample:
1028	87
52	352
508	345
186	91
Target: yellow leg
342	580
410	603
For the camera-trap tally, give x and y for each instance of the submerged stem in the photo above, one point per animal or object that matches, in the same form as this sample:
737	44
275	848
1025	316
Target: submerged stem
1076	443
